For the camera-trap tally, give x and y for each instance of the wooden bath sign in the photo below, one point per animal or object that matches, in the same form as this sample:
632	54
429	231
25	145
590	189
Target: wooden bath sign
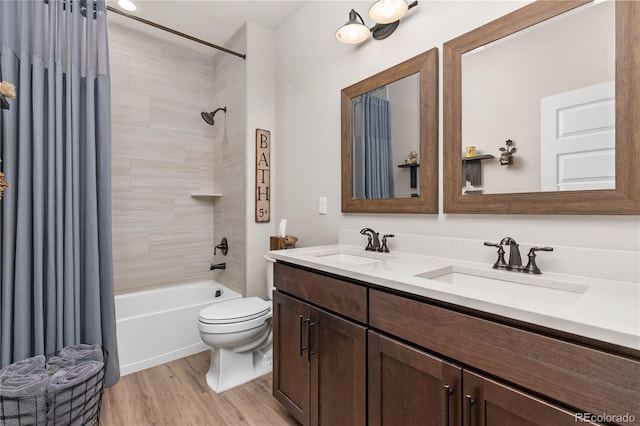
263	175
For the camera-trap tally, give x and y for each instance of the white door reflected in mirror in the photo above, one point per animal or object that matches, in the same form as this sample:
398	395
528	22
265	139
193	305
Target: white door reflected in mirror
504	83
577	147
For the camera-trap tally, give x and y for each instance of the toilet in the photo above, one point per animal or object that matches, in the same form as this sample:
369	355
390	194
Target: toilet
239	334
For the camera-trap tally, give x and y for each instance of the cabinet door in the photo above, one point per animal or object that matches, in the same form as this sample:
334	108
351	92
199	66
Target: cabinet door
338	370
410	387
291	367
490	403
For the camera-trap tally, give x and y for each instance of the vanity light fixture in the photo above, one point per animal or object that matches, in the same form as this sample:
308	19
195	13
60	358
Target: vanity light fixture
128	5
388	11
353	32
385	13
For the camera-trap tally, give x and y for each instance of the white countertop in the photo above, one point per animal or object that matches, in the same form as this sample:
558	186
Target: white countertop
599	309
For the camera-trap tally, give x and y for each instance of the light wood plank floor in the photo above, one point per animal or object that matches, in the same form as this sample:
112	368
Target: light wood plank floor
176	394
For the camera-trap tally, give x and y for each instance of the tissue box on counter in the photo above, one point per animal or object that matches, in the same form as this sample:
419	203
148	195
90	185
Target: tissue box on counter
279	243
282	240
276	243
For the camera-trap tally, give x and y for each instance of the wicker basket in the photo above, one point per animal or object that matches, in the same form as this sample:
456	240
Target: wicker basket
76	405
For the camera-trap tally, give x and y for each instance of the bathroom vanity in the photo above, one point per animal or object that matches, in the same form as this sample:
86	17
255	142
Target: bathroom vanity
360	338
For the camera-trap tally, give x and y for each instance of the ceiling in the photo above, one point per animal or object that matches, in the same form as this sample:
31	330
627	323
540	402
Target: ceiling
213	21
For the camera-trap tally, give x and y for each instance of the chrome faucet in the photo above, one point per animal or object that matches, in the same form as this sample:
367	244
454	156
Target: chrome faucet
373	243
515	261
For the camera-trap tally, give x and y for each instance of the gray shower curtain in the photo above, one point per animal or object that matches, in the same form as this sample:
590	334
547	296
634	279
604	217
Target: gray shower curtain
56	266
371	147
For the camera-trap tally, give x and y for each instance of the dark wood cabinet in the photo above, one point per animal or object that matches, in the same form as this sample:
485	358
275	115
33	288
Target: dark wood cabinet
410	387
338	370
291	372
346	353
319	371
572	374
491	403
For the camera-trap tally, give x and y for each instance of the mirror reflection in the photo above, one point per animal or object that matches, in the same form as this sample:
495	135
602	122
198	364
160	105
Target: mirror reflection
550	91
389	139
385	131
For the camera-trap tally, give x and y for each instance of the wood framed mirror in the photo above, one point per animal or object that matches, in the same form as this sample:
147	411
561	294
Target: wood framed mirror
414	128
623	197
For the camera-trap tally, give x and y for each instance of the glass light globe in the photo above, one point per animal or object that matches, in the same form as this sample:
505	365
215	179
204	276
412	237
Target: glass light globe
388	11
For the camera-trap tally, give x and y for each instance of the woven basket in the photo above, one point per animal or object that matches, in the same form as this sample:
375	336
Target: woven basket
76	405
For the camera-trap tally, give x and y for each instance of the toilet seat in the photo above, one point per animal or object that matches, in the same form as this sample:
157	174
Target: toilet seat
235	311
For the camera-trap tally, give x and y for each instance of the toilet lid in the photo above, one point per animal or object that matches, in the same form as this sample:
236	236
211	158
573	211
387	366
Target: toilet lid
235	310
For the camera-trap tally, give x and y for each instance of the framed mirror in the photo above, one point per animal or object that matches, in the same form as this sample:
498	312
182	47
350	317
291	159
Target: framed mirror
390	139
568	159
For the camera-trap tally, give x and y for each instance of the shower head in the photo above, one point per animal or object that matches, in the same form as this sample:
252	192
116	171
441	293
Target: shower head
208	116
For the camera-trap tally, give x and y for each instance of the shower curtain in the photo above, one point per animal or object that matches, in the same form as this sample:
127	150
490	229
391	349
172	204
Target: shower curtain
371	147
56	266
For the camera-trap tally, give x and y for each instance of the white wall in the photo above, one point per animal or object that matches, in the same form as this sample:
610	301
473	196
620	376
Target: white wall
312	69
260	77
404	111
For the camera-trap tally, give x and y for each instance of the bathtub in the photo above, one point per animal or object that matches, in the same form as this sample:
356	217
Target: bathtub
160	325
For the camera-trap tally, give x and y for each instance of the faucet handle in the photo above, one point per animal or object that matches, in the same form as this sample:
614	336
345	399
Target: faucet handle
223	246
531	267
369	243
500	263
534	249
384	248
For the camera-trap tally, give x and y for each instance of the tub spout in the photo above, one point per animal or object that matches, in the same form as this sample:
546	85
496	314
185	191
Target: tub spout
218	266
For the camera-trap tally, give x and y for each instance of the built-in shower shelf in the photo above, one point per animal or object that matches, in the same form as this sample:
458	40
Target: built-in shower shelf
206	194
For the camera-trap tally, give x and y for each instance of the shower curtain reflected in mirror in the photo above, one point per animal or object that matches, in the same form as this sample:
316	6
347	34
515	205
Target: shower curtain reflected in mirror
56	267
371	146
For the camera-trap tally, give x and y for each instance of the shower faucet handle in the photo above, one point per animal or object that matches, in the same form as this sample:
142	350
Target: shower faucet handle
223	246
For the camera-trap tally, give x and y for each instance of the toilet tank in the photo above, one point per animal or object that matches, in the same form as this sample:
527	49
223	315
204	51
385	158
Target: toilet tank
269	272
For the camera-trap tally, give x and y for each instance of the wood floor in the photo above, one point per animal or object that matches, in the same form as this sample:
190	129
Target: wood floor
176	394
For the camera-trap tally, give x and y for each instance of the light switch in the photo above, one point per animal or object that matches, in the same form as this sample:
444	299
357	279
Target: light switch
322	205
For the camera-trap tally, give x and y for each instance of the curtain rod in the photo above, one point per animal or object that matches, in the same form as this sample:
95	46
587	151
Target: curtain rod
172	31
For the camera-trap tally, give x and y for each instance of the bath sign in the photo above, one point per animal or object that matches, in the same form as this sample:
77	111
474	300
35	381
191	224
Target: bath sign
263	175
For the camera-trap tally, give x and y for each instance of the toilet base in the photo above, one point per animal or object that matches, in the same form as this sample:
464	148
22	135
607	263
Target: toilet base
229	369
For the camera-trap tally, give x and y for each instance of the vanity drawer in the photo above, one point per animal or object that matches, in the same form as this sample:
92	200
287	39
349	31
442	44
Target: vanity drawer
333	294
576	375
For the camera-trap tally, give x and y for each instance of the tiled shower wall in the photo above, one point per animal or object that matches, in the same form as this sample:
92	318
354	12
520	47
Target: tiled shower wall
230	162
162	151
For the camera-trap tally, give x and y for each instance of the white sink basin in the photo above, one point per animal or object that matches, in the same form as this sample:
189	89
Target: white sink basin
350	257
515	285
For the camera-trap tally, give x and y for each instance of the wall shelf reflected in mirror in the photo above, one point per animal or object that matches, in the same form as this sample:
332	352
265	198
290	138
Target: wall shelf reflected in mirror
376	151
413	175
472	171
468	113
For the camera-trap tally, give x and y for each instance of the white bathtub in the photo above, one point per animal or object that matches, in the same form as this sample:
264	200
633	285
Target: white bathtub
160	325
